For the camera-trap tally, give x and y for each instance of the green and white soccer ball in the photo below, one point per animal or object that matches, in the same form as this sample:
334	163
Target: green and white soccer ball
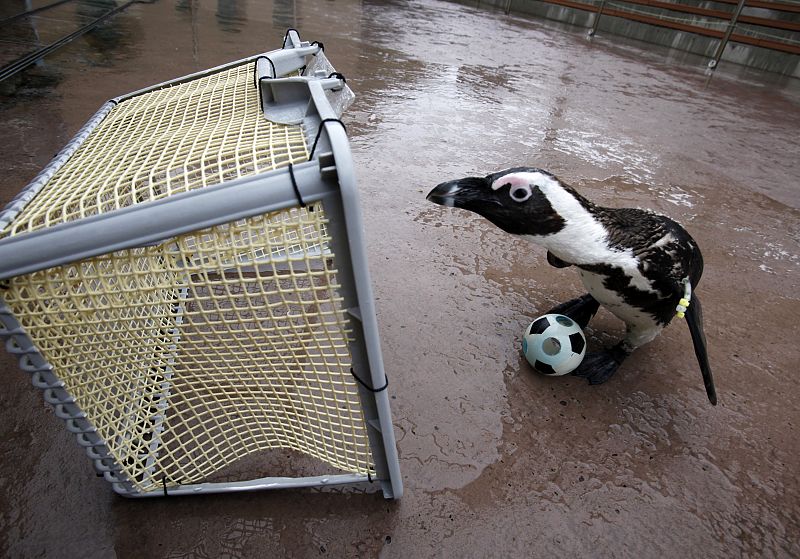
554	344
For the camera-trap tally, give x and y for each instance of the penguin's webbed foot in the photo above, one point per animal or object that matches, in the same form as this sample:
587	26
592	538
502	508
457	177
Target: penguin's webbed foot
598	367
581	309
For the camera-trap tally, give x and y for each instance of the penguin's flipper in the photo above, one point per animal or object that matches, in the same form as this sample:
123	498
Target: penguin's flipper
556	262
694	318
598	367
581	309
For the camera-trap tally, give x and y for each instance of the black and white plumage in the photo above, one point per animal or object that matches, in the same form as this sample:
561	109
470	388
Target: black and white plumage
633	262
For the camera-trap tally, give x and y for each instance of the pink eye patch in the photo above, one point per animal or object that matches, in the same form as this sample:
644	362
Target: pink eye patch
512	180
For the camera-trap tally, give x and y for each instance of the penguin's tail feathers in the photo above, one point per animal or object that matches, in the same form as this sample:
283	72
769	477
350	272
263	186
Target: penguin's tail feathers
694	318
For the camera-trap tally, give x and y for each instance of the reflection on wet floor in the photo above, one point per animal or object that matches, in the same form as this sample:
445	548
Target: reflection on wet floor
497	460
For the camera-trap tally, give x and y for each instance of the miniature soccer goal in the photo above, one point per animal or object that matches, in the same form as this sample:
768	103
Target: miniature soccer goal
187	283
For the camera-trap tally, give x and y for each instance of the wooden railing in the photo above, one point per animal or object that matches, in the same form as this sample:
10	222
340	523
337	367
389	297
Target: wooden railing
722	24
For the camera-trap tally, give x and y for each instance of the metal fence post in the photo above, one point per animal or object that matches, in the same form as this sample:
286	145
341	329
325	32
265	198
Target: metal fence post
724	42
596	22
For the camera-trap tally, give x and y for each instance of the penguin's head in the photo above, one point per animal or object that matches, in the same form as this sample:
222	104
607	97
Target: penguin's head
518	201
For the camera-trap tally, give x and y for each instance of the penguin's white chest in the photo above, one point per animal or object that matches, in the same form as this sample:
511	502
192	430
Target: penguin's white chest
613	301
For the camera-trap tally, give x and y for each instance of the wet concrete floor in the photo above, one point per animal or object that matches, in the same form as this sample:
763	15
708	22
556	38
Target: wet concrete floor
497	460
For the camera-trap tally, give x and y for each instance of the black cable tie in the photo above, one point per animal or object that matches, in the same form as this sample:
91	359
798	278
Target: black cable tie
319	133
164	484
294	185
365	385
320	45
256	81
337	75
369	476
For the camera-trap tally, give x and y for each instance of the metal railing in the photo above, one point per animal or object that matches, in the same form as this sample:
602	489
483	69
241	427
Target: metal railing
777	32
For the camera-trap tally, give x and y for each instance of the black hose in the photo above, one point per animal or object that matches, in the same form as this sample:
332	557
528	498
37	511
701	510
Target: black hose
27	60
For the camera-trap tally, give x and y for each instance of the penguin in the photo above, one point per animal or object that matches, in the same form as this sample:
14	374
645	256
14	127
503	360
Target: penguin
641	266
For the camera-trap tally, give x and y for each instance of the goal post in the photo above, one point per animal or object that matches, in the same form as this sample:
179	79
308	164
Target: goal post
187	283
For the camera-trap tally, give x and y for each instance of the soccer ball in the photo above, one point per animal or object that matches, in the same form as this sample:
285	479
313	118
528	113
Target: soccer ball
554	344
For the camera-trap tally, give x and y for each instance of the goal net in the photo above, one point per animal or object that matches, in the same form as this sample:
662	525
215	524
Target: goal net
174	350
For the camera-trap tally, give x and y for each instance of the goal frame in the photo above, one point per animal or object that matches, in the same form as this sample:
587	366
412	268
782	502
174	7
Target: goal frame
328	177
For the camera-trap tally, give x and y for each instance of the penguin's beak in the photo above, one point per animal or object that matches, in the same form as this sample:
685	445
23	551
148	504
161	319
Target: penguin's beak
475	194
467	193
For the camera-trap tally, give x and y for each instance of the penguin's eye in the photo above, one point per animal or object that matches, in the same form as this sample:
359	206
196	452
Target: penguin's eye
520	192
